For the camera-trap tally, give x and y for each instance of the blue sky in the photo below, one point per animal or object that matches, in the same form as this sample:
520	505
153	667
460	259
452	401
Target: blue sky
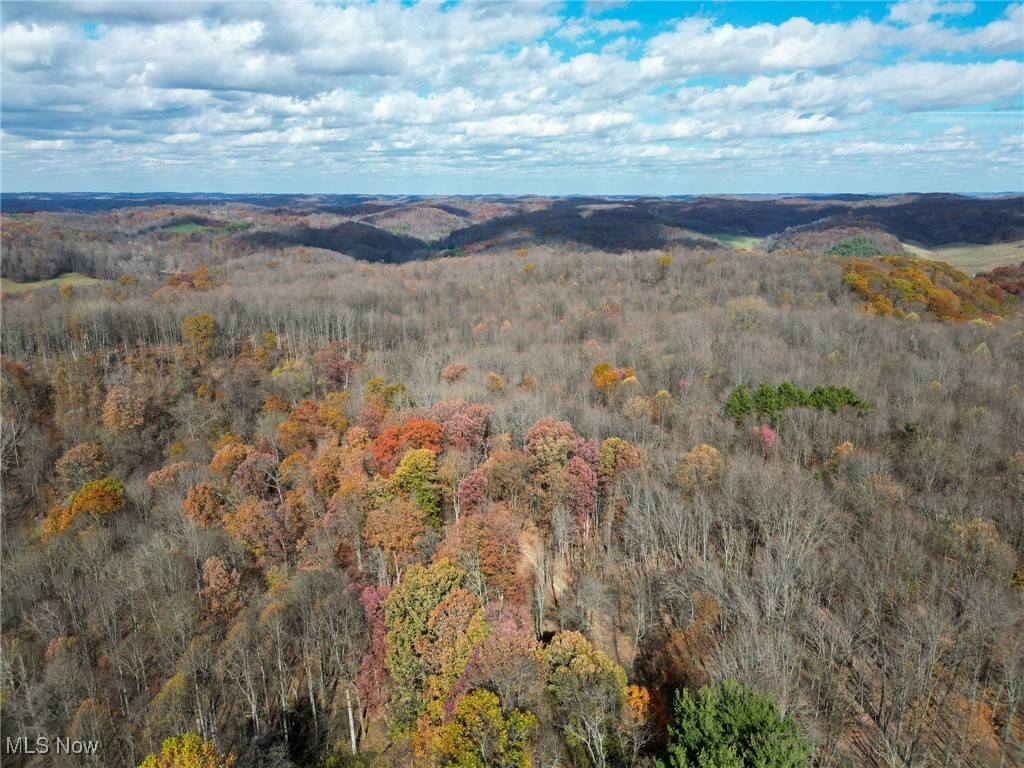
513	97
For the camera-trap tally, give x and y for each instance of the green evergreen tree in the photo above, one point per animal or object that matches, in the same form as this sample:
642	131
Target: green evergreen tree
740	403
729	726
860	246
790	396
766	401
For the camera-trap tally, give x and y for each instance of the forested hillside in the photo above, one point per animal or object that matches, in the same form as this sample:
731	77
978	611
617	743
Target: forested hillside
107	236
506	505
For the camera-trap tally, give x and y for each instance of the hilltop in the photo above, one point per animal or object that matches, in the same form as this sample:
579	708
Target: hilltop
109	235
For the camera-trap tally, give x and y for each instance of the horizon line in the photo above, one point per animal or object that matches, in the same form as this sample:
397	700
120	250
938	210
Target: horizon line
517	194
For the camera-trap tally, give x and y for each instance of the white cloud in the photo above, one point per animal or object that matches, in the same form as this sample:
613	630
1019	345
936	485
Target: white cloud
422	90
699	47
935	85
29	46
874	148
917	11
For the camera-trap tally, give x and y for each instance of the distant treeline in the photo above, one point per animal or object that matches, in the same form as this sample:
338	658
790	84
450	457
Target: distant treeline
109	235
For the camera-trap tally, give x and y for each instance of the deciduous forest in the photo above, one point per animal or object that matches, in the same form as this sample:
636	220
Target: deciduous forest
561	482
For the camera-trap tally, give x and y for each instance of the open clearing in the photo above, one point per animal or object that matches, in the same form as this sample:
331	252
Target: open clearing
972	258
12	286
187	227
736	241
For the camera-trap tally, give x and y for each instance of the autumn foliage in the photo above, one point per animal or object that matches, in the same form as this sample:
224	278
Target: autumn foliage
96	499
188	751
123	411
387	450
289	534
899	285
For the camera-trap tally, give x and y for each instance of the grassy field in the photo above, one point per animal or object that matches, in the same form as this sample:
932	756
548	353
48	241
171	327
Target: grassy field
736	241
187	227
12	286
971	257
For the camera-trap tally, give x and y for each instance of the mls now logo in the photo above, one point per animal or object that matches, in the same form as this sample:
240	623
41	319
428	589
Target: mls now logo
42	745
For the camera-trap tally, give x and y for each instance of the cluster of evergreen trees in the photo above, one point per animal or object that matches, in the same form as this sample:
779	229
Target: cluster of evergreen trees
769	402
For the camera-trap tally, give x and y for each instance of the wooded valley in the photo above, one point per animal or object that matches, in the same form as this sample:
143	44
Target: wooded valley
554	482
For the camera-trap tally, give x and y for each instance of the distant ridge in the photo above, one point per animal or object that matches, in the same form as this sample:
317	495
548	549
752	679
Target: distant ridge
24	202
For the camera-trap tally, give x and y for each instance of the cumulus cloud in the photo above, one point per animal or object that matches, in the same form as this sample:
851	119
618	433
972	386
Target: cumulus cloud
698	46
917	11
318	92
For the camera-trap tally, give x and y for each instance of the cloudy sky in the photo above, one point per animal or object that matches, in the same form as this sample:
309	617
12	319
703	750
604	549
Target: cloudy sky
513	97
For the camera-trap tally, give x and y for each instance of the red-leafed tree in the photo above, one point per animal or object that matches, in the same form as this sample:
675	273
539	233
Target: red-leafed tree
581	489
472	492
373	682
510	661
335	360
257	476
464	426
486	547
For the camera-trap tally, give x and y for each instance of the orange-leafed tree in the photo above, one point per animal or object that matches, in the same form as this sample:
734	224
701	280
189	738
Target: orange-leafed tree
486	547
202	505
123	411
603	378
331	411
393	443
98	499
454	371
299	432
267	528
508	476
228	458
644	721
395	530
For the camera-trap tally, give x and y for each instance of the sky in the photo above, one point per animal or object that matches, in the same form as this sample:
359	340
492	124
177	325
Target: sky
643	98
